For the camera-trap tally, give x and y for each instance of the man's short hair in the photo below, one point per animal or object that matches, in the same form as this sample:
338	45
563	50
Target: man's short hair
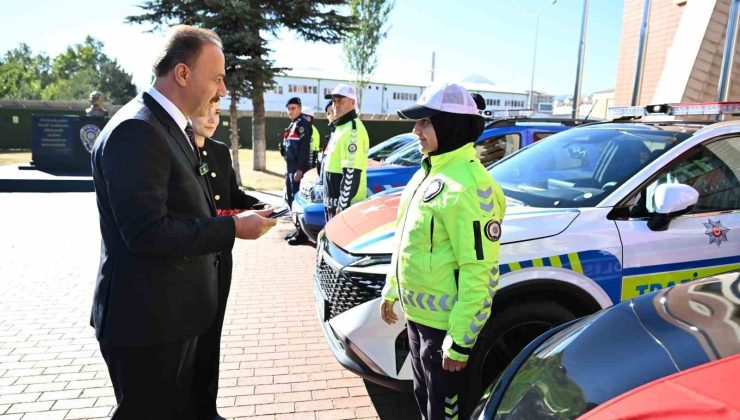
183	46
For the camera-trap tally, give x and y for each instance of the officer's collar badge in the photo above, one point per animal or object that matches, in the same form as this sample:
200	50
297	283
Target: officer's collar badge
493	230
433	189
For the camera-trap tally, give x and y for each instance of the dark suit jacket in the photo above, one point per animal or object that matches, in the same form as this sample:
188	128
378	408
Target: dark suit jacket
221	176
158	275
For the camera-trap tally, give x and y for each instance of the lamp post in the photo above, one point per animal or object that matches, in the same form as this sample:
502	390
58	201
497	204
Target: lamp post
534	56
579	67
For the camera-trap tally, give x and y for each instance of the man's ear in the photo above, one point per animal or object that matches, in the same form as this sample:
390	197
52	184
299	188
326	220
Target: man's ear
182	74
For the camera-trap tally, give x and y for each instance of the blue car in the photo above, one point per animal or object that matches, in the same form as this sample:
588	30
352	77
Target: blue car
395	171
500	138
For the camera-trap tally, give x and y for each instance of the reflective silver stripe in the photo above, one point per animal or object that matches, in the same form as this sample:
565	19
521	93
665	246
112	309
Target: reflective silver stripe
486	303
491	292
492	282
486	206
494	271
481	316
475	328
410	297
443	302
467	340
420	300
485	193
430	303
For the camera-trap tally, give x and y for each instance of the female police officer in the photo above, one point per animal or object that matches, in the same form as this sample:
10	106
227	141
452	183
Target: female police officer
229	199
445	260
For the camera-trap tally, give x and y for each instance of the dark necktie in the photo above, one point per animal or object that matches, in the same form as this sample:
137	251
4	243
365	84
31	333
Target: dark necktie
191	137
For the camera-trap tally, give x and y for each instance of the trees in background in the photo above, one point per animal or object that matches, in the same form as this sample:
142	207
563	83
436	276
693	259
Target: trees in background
244	27
71	75
361	44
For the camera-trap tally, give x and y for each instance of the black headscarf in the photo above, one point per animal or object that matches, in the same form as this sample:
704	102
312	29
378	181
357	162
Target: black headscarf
455	130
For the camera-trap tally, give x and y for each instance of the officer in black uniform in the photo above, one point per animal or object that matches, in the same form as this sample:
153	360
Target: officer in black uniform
297	145
230	200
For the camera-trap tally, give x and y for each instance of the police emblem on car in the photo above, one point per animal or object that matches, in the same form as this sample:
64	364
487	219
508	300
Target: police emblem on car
433	189
493	230
88	134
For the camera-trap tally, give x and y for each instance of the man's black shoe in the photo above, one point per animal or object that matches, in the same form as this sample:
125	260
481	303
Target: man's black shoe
291	235
299	239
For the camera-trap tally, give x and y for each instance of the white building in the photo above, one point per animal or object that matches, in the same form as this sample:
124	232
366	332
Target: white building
377	97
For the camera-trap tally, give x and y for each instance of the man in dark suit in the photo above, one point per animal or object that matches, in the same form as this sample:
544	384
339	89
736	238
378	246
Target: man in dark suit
157	287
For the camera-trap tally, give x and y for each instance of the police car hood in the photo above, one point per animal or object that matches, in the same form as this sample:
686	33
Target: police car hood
368	227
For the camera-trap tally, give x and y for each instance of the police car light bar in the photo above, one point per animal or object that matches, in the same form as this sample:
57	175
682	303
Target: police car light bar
699	108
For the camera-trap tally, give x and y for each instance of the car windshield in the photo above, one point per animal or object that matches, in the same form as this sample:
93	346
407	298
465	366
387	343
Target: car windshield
382	150
581	166
410	155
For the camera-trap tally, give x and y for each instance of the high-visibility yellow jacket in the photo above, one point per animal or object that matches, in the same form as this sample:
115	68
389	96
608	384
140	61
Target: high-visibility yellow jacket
444	268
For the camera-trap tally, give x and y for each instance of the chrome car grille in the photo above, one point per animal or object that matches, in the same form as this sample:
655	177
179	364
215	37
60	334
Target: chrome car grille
345	290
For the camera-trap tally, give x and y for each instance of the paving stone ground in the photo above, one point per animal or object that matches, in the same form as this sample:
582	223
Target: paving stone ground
275	363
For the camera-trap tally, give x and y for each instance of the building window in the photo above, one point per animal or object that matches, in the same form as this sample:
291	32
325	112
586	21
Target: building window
302	89
277	90
405	96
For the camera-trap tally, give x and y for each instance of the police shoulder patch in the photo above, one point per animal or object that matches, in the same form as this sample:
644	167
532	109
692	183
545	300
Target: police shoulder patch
493	230
433	189
300	129
352	148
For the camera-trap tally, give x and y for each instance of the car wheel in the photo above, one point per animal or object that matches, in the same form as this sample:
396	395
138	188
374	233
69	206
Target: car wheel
506	333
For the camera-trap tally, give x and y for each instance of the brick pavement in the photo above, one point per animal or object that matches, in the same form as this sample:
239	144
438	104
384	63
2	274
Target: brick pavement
275	362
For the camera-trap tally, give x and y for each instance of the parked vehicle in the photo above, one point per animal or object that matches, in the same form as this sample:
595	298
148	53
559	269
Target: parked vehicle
395	171
501	137
586	366
596	215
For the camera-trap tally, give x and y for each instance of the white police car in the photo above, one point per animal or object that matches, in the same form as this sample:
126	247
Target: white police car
597	214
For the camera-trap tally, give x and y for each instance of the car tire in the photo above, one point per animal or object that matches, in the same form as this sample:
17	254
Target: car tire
508	330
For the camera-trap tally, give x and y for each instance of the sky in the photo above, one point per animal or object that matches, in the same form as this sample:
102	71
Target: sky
489	38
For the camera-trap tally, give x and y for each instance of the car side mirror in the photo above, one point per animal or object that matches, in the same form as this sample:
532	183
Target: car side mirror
671	200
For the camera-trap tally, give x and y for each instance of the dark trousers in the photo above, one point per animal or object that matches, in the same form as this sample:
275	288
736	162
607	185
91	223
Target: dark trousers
291	188
153	382
437	391
209	353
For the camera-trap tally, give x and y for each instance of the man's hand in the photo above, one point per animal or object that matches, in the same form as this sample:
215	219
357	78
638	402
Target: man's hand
252	224
452	365
297	176
386	311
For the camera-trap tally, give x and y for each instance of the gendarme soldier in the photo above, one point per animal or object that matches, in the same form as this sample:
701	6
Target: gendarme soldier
297	146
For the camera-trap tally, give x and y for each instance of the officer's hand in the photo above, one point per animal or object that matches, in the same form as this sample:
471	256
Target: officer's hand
252	224
297	176
386	311
452	365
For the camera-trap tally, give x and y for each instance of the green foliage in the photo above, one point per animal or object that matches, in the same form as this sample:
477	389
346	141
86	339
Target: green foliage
244	26
71	75
23	75
360	46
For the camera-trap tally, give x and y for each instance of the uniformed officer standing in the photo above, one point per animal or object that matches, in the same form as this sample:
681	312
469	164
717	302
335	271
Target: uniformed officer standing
315	137
297	146
444	268
229	200
345	161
